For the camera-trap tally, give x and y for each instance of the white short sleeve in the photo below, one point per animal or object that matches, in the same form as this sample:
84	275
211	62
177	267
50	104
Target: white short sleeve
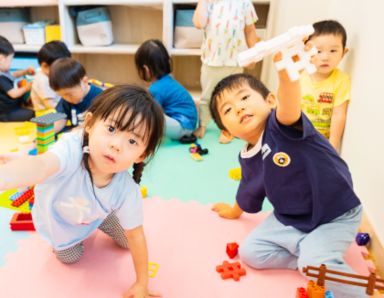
250	13
69	151
130	214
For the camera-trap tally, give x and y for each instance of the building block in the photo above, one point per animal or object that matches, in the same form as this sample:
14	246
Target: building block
235	173
291	46
230	270
232	249
144	191
329	294
22	222
314	290
23	198
301	293
152	269
362	239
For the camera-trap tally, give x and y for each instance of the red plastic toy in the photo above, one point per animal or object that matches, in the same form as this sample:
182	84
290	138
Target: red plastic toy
230	270
232	249
22	222
301	293
23	198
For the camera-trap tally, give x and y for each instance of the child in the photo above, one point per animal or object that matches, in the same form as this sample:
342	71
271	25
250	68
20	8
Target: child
83	183
154	66
229	28
68	78
11	96
326	93
43	97
316	212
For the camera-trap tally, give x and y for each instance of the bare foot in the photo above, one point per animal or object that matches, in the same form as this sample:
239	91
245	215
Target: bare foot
200	132
225	137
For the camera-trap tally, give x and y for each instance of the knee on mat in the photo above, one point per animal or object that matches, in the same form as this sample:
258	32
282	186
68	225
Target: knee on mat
68	260
251	257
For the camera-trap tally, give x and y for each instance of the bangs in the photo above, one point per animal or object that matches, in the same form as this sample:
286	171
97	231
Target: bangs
132	117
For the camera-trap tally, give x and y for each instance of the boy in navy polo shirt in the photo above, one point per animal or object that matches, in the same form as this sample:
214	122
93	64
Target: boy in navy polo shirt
68	79
316	212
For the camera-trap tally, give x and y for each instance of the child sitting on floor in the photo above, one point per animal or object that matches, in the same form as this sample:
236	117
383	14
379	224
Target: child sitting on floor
154	66
68	78
11	96
316	212
42	96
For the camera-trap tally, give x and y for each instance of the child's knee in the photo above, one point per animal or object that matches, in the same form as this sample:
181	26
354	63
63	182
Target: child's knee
71	255
252	257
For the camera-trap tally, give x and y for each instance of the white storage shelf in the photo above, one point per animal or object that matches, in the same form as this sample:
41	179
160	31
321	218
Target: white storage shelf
27	3
133	22
131	25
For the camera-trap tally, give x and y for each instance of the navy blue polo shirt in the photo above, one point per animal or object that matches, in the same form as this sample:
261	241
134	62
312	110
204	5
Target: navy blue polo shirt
300	172
65	107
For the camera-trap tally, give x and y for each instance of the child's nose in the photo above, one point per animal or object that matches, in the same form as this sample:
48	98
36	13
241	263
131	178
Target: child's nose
116	144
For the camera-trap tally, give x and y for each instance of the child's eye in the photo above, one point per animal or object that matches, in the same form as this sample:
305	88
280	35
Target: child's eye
132	142
245	97
333	51
226	111
111	129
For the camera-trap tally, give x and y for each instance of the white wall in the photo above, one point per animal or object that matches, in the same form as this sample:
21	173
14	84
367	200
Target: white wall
363	145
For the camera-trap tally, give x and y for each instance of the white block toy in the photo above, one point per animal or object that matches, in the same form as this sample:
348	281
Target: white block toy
291	45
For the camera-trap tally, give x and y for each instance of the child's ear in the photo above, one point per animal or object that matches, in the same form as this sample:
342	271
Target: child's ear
85	80
141	158
147	73
271	100
346	50
87	121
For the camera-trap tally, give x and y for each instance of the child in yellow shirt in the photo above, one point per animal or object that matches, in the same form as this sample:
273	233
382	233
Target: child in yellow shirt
326	93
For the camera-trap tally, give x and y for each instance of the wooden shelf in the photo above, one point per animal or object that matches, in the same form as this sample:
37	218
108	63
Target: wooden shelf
152	3
112	49
28	3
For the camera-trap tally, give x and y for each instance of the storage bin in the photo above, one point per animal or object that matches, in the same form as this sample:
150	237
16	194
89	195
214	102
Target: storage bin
186	35
94	27
52	32
12	21
34	33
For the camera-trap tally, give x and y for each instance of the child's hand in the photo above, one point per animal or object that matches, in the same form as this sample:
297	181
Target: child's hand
226	211
139	291
28	86
30	71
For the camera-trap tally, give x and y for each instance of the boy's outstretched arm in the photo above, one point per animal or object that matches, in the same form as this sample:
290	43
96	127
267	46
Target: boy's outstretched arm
288	109
226	211
28	170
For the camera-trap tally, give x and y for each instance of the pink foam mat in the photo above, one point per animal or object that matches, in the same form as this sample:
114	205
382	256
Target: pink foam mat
187	240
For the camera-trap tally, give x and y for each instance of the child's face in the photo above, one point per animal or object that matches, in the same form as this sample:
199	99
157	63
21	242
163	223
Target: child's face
112	150
5	62
243	111
74	95
330	52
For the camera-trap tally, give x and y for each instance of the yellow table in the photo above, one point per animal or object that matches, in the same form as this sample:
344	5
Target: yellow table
16	136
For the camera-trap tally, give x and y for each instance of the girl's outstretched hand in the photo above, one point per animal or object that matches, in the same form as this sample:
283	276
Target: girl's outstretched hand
227	211
139	291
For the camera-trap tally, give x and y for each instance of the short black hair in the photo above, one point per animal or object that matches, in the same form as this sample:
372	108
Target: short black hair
154	55
330	27
6	47
65	73
232	82
51	51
